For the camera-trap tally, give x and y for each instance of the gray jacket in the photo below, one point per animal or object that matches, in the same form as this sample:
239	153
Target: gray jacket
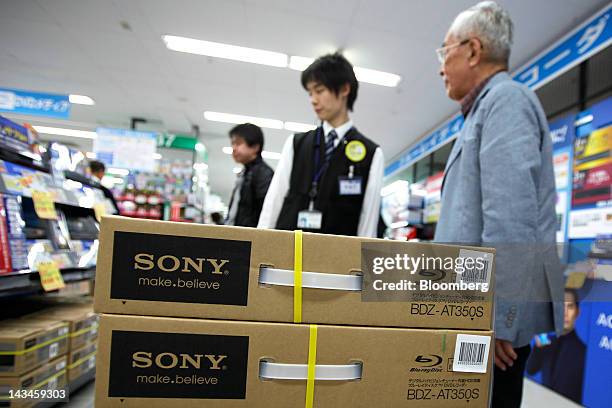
499	191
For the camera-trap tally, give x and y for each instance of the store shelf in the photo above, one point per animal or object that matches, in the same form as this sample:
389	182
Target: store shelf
27	282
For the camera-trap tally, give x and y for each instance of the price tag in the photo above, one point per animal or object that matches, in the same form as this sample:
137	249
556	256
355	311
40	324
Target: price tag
43	205
99	210
575	280
50	276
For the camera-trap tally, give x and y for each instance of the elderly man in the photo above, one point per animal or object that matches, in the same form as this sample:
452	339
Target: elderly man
499	190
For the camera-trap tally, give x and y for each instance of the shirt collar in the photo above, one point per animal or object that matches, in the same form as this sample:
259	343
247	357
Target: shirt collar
467	103
341	130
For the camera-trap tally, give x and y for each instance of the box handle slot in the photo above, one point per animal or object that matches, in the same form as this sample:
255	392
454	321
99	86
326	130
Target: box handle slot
312	280
277	371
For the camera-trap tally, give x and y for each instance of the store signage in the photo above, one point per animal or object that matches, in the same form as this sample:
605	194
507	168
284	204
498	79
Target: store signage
180	269
591	37
174	141
126	149
34	103
178	365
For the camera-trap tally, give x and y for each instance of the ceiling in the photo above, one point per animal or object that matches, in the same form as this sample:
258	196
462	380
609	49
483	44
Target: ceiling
84	47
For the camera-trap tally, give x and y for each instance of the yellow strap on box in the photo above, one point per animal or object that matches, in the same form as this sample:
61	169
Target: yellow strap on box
35	347
312	361
297	277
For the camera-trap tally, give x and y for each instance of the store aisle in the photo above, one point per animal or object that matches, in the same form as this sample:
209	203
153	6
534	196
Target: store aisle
536	396
83	398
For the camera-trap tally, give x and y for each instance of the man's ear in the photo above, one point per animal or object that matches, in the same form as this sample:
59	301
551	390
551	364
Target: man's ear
345	90
475	46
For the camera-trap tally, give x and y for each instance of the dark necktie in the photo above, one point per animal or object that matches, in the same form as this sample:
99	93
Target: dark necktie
329	144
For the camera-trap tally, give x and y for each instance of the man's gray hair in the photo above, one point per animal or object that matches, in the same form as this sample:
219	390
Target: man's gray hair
490	23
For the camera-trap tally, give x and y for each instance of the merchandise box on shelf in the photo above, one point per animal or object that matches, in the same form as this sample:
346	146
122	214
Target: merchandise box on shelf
83	323
81	361
50	376
155	362
185	270
29	343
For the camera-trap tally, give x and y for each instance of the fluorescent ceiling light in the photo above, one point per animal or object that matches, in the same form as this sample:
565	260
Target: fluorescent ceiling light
81	99
584	120
237	119
299	63
157	156
227	150
227	51
91	155
85	134
119	172
370	76
299	127
270	155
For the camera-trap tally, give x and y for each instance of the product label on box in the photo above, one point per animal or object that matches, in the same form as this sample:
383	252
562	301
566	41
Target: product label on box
180	269
177	365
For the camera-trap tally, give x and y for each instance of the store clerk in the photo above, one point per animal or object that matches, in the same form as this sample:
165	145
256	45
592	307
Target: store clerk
328	180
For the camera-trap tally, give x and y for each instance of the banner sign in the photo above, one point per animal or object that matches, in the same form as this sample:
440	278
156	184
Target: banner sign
34	103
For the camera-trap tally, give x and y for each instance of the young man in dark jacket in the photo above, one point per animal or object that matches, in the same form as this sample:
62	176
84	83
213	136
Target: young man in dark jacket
253	181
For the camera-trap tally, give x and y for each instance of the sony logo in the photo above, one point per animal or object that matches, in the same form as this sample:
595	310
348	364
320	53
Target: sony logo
144	359
170	263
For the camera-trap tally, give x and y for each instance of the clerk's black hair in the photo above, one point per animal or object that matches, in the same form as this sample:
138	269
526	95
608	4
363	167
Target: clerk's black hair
251	134
333	71
96	166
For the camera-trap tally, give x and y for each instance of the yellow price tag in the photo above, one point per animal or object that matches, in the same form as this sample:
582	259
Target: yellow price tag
99	210
44	205
50	276
575	280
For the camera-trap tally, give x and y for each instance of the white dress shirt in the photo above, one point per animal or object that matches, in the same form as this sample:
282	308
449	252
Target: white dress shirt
279	187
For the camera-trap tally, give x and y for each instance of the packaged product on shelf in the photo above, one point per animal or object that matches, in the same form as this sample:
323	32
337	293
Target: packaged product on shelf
206	271
156	362
81	361
50	376
29	343
5	255
81	320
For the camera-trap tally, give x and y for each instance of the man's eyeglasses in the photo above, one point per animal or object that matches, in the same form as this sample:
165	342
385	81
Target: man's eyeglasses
442	52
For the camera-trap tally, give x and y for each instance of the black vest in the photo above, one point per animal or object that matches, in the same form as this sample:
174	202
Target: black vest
340	212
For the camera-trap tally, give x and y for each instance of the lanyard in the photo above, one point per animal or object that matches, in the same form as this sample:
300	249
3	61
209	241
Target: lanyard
319	169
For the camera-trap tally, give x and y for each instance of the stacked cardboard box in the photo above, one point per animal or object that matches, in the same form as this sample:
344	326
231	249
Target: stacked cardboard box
32	357
160	284
82	339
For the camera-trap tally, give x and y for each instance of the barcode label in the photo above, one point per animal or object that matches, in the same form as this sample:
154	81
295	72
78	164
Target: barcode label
477	267
53	350
471	353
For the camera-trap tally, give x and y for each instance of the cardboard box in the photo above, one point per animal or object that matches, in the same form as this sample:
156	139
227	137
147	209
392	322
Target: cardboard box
83	323
160	362
50	376
28	343
175	269
82	361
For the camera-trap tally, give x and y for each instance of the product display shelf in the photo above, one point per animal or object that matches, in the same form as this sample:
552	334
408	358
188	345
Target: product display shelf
27	282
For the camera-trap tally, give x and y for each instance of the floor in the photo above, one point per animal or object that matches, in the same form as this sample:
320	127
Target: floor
535	396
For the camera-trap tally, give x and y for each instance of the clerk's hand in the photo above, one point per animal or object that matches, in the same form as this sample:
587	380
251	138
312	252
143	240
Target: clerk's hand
504	354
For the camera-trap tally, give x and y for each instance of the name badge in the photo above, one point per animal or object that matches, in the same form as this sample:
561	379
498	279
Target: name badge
350	186
310	219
